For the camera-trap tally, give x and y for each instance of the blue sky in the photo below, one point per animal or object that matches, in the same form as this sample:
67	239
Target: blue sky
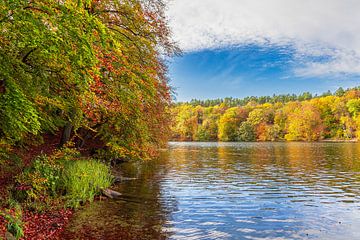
247	71
238	48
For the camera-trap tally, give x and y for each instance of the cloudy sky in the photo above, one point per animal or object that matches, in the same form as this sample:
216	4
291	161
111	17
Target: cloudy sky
260	47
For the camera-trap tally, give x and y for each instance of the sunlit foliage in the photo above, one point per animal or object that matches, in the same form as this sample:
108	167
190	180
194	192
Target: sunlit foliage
330	116
90	68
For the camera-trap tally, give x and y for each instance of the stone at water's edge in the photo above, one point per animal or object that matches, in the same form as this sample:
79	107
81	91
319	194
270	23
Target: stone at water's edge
111	193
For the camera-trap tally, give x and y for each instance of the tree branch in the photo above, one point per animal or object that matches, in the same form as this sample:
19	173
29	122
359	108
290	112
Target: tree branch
27	55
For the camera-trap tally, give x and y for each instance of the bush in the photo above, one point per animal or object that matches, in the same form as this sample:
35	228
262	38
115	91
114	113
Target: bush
8	159
82	180
61	176
14	221
40	182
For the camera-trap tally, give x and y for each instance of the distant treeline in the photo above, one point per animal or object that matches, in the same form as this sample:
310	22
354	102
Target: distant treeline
283	98
301	117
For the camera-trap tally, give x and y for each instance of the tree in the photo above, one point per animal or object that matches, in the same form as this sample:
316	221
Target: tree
208	130
304	123
348	127
246	132
274	133
229	122
353	106
277	118
186	123
340	92
91	68
331	109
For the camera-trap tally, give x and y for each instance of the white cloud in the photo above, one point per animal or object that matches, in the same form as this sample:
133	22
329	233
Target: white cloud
314	27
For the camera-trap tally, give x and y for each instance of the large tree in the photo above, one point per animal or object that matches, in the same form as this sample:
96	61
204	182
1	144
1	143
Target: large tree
91	68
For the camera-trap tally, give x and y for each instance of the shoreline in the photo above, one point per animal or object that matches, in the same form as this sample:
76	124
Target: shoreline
279	141
56	220
49	223
37	225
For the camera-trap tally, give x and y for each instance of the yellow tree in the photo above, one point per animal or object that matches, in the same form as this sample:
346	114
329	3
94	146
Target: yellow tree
185	123
230	122
262	119
353	106
304	124
208	125
331	108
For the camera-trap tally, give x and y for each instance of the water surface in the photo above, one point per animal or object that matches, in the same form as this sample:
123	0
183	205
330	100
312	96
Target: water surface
233	191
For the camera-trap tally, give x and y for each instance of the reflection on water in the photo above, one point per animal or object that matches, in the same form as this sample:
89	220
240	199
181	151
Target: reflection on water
234	191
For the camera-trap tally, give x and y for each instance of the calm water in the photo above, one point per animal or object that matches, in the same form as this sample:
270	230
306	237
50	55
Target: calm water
233	191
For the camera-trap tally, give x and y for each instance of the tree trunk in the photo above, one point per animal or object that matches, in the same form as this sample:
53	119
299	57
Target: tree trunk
66	134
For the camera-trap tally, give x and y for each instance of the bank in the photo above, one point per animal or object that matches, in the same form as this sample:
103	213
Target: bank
41	186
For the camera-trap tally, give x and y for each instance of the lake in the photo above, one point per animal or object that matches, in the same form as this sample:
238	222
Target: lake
233	191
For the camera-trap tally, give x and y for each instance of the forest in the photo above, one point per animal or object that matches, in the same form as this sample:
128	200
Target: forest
84	86
91	69
83	83
330	116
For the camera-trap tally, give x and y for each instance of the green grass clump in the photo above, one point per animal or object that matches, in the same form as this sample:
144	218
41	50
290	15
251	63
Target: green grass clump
62	178
82	180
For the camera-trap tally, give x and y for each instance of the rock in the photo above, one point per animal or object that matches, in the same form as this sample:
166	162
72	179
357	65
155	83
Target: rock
9	236
111	193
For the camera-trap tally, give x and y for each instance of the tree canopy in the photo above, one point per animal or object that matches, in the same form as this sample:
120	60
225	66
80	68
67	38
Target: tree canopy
93	69
330	116
281	98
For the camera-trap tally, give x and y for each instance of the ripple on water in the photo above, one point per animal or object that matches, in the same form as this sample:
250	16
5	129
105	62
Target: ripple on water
239	191
268	192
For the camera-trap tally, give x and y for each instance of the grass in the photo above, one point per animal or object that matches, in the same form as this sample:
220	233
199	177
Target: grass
62	177
82	180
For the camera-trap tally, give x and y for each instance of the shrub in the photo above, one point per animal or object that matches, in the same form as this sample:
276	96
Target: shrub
82	180
61	176
40	181
14	221
8	159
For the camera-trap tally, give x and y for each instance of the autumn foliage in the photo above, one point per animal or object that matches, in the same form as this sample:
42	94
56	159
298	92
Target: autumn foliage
330	116
84	74
92	69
